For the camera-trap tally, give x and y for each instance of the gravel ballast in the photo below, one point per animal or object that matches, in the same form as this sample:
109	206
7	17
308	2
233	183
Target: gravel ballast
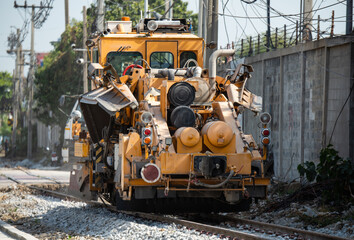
51	218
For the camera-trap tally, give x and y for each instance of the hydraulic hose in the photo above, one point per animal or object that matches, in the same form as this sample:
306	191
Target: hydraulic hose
215	185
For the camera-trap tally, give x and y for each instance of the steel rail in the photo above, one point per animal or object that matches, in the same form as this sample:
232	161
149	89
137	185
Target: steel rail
274	228
203	228
267	228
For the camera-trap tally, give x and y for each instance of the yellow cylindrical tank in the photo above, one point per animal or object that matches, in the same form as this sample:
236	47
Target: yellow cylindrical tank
189	136
219	137
188	140
219	133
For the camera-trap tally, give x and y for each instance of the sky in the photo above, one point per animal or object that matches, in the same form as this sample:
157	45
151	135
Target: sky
236	12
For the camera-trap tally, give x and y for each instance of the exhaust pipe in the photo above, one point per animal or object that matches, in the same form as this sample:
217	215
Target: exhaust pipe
212	67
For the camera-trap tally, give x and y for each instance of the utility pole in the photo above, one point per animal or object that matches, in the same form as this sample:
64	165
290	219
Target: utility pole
268	25
349	25
66	13
17	75
200	18
300	21
30	92
212	27
146	8
30	77
84	38
100	16
307	20
209	30
205	29
215	25
169	8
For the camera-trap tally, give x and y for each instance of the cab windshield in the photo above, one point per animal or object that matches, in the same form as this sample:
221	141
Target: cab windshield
121	60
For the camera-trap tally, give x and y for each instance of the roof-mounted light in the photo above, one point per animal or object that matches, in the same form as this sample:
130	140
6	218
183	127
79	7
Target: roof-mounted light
152	25
265	118
146	117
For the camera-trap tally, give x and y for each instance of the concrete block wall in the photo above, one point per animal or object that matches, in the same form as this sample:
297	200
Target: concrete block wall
304	88
338	90
313	103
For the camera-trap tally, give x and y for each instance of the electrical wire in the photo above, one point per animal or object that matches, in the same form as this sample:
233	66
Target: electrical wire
275	11
223	11
248	2
243	29
43	13
255	11
313	13
340	112
338	74
280	14
19	12
160	5
314	28
318	7
245	10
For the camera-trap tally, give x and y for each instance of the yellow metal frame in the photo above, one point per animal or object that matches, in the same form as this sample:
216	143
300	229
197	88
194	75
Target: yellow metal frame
139	43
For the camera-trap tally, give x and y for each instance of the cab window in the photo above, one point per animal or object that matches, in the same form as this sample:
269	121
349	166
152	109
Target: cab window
185	56
121	60
161	60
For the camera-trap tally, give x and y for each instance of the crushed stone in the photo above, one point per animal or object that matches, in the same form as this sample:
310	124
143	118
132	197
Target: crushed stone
52	218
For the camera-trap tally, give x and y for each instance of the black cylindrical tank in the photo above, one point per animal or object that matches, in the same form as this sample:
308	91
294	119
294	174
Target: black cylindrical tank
182	116
181	94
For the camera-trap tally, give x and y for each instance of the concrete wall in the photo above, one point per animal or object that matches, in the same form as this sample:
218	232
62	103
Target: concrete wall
304	89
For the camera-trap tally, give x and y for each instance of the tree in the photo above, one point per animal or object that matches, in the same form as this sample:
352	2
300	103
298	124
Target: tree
60	75
5	91
5	102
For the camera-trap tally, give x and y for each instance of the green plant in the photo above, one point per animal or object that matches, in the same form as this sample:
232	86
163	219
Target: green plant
308	170
336	173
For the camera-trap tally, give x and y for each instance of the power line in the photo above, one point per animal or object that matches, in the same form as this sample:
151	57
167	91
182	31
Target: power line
223	10
37	19
249	2
276	11
42	14
255	11
243	29
247	16
279	14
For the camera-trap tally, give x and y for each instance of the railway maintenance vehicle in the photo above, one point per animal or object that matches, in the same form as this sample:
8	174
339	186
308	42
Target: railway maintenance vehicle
163	133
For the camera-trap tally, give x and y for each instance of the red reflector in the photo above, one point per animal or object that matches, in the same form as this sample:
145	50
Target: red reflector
265	132
147	132
150	173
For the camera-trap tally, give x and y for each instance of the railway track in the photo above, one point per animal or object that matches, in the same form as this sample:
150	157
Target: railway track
271	230
205	223
212	224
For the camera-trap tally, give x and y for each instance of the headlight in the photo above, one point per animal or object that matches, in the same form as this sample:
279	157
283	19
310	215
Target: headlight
265	118
146	117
